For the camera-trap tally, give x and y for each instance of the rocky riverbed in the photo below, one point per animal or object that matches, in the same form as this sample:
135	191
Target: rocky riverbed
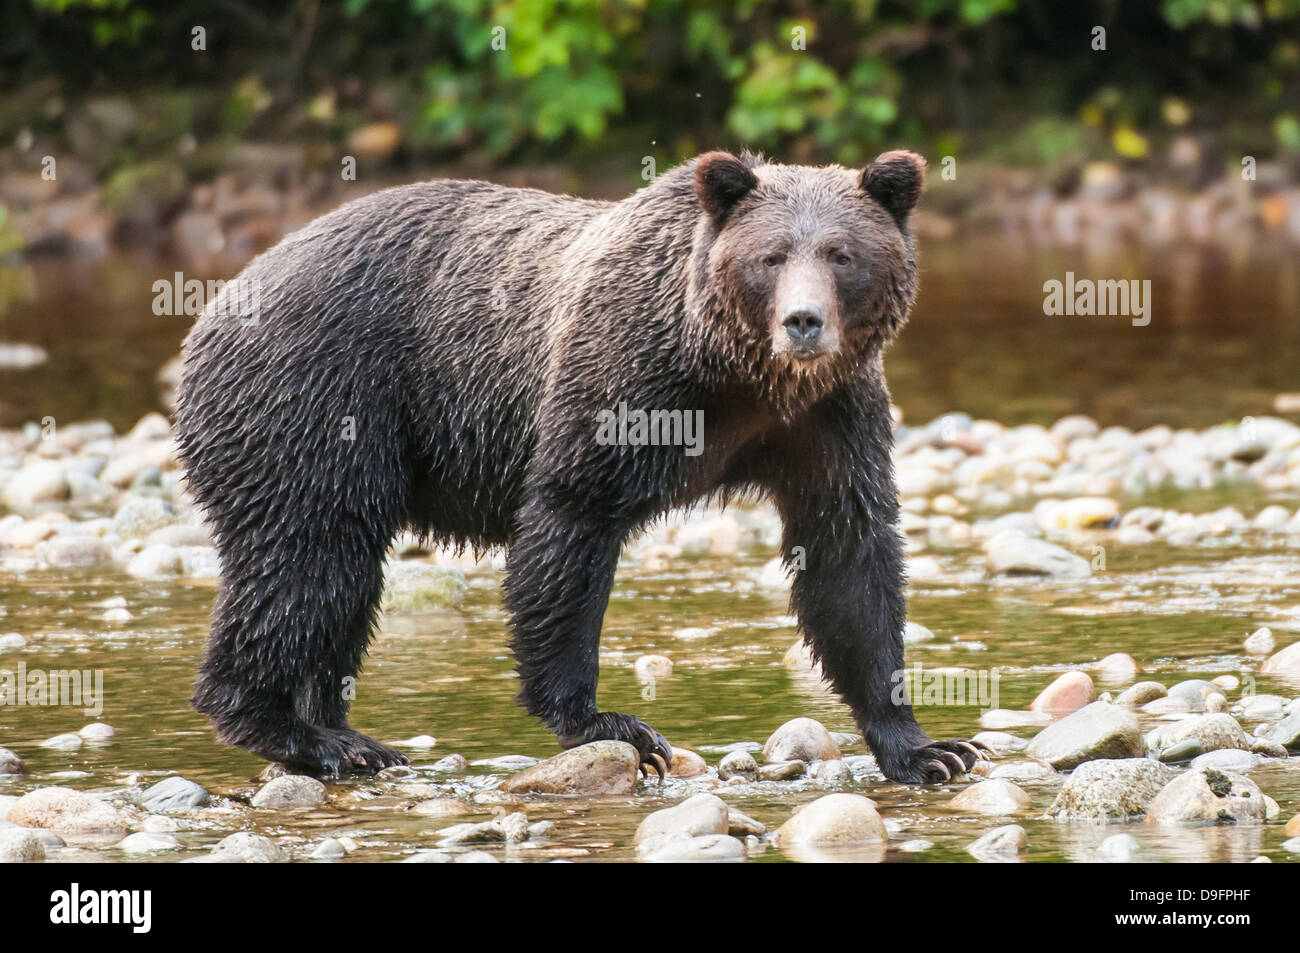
1125	603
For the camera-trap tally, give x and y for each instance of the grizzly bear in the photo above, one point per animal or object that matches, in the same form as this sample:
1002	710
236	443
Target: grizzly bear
438	357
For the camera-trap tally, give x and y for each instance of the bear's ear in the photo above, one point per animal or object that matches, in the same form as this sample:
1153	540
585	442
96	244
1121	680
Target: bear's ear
722	180
894	180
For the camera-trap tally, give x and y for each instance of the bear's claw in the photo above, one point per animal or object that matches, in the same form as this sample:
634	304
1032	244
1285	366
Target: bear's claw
936	762
655	751
337	751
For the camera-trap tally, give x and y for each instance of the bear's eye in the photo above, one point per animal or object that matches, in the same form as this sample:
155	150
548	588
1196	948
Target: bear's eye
774	260
841	258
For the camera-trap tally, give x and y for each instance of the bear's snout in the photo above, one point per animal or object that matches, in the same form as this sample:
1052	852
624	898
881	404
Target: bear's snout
804	327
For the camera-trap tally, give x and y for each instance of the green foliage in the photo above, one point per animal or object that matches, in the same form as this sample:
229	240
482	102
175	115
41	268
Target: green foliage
835	79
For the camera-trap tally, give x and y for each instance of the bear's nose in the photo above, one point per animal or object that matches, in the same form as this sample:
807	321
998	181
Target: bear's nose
804	326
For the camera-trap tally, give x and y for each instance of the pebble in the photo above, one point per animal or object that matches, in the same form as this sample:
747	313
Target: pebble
97	731
1000	845
290	792
697	815
1259	642
782	771
1285	662
1067	693
245	848
653	668
145	842
995	796
1113	789
10	763
1119	849
1099	730
1208	796
1227	759
833	820
18	846
451	763
1211	732
687	764
69	812
740	824
801	739
11	642
1287	731
64	742
600	767
173	794
1117	667
1135	696
328	849
711	848
422	742
41	482
1019	555
1001	742
738	764
830	772
416	587
440	807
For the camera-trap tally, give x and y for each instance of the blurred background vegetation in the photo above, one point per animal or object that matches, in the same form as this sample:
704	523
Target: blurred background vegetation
1015	81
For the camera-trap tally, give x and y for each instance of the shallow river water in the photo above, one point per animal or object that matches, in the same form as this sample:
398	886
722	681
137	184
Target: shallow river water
1181	607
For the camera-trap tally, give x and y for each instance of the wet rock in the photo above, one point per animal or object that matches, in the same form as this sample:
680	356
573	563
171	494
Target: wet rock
915	633
451	763
1001	742
1182	751
420	742
1000	845
831	772
1267	749
1021	771
1194	690
1068	693
1168	705
917	845
1135	696
710	848
69	812
1012	554
97	731
11	642
1117	667
64	742
1259	707
653	668
40	482
1227	759
1085	512
1095	731
156	562
601	767
245	848
141	515
1216	703
1119	849
999	719
18	846
74	552
1207	796
415	587
1259	642
485	832
694	817
1292	828
10	763
328	849
159	825
290	792
173	794
441	807
782	771
148	842
801	739
687	764
1287	732
740	824
1110	790
995	796
832	821
1211	732
1285	662
738	764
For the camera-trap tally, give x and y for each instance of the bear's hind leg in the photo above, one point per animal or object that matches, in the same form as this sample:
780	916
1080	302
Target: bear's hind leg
289	632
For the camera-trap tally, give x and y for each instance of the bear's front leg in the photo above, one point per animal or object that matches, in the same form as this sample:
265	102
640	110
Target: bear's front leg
559	572
839	507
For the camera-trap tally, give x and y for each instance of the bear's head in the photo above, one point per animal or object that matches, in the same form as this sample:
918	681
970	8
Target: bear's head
804	273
